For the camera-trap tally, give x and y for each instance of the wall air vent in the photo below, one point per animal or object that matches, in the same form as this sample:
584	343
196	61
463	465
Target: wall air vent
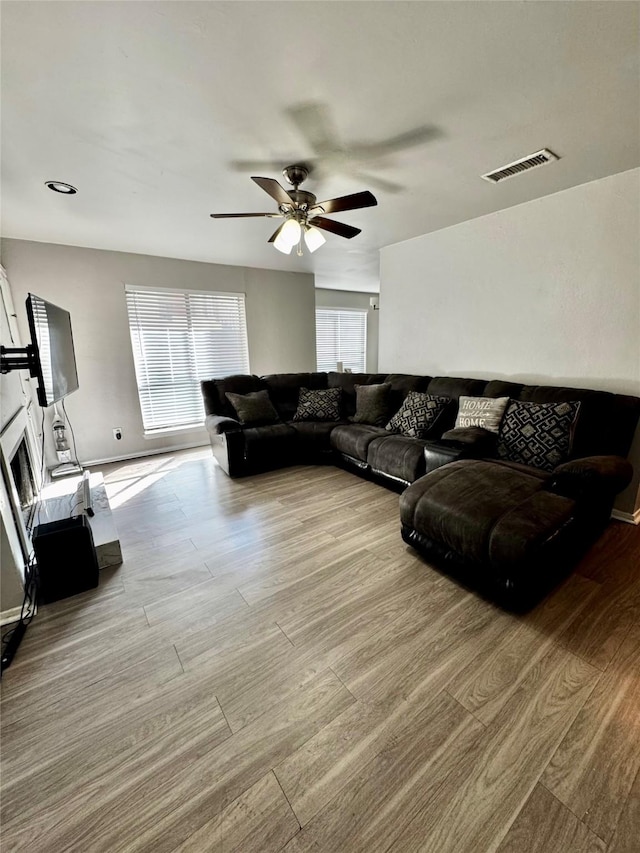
531	161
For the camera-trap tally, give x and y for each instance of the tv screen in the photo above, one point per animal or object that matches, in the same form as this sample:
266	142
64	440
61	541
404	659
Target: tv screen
51	336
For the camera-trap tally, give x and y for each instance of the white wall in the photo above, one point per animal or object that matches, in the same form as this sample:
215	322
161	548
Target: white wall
90	284
547	291
352	299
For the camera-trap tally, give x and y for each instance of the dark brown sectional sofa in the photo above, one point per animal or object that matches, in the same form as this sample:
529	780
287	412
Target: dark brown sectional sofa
507	529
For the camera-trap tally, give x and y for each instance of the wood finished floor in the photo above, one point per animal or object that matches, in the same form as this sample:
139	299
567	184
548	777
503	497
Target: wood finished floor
272	669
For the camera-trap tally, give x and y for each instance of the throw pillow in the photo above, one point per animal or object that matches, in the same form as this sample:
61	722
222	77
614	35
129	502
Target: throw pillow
418	414
318	405
372	404
253	408
538	434
485	412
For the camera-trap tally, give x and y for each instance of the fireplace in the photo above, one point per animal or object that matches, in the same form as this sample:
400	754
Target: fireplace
22	474
19	453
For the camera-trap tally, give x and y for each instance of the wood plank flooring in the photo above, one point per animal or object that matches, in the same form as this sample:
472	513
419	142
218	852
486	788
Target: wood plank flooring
272	669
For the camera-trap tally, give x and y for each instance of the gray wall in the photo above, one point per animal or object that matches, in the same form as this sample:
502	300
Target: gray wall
90	284
547	291
352	299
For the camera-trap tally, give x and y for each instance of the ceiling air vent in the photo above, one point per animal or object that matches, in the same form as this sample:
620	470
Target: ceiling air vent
531	161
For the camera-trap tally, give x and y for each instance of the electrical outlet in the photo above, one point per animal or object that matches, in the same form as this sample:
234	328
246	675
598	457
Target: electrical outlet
117	433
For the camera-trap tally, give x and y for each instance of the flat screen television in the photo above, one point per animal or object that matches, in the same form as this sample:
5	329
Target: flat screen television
52	340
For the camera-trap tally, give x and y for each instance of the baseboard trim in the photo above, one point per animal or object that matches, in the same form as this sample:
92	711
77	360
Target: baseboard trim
8	616
628	517
143	453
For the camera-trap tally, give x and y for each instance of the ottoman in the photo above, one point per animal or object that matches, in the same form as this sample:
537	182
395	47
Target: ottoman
496	528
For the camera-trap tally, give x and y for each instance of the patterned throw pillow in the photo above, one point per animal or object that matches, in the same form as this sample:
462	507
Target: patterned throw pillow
538	434
418	414
485	412
253	408
318	405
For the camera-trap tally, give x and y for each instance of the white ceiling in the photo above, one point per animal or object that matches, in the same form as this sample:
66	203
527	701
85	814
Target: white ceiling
159	112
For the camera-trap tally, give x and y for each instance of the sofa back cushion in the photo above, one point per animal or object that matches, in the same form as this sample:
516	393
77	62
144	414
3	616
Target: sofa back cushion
347	382
606	423
451	386
284	389
401	384
214	392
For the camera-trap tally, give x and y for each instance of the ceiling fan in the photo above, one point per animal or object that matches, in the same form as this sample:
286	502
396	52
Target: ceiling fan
302	214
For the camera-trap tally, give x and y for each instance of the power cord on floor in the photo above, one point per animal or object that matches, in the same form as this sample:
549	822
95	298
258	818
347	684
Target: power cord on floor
11	638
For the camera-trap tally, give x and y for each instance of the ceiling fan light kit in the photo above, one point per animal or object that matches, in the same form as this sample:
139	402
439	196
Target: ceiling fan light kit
313	237
302	213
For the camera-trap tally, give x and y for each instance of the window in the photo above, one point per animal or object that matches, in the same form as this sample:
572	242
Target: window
341	335
180	337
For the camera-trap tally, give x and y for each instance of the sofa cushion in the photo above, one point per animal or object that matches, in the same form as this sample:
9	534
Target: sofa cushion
254	407
451	386
347	382
284	389
537	434
314	436
372	404
398	457
459	504
418	415
321	405
401	384
520	533
354	439
485	412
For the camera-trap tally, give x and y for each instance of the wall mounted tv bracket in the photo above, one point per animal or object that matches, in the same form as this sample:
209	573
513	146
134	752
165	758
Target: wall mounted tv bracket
19	358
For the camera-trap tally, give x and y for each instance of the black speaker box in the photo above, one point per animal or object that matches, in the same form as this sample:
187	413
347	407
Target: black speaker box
66	557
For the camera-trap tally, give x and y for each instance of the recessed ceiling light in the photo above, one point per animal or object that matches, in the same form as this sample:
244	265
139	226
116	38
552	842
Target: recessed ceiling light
60	187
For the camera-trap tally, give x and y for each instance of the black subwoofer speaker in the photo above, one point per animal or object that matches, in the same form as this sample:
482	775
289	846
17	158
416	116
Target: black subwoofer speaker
66	557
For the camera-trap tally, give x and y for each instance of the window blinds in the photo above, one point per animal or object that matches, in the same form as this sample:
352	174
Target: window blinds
341	335
180	337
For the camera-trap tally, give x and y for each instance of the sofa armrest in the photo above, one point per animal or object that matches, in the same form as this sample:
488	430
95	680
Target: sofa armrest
476	440
217	424
591	476
466	443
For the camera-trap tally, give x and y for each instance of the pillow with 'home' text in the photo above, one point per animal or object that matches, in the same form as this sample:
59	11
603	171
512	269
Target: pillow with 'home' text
485	412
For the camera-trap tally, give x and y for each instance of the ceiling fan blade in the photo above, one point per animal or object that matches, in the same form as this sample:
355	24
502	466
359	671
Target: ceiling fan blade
348	202
314	122
338	228
243	215
271	186
275	233
401	142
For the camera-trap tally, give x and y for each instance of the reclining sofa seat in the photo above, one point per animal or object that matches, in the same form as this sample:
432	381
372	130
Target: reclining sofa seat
242	450
511	530
503	527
